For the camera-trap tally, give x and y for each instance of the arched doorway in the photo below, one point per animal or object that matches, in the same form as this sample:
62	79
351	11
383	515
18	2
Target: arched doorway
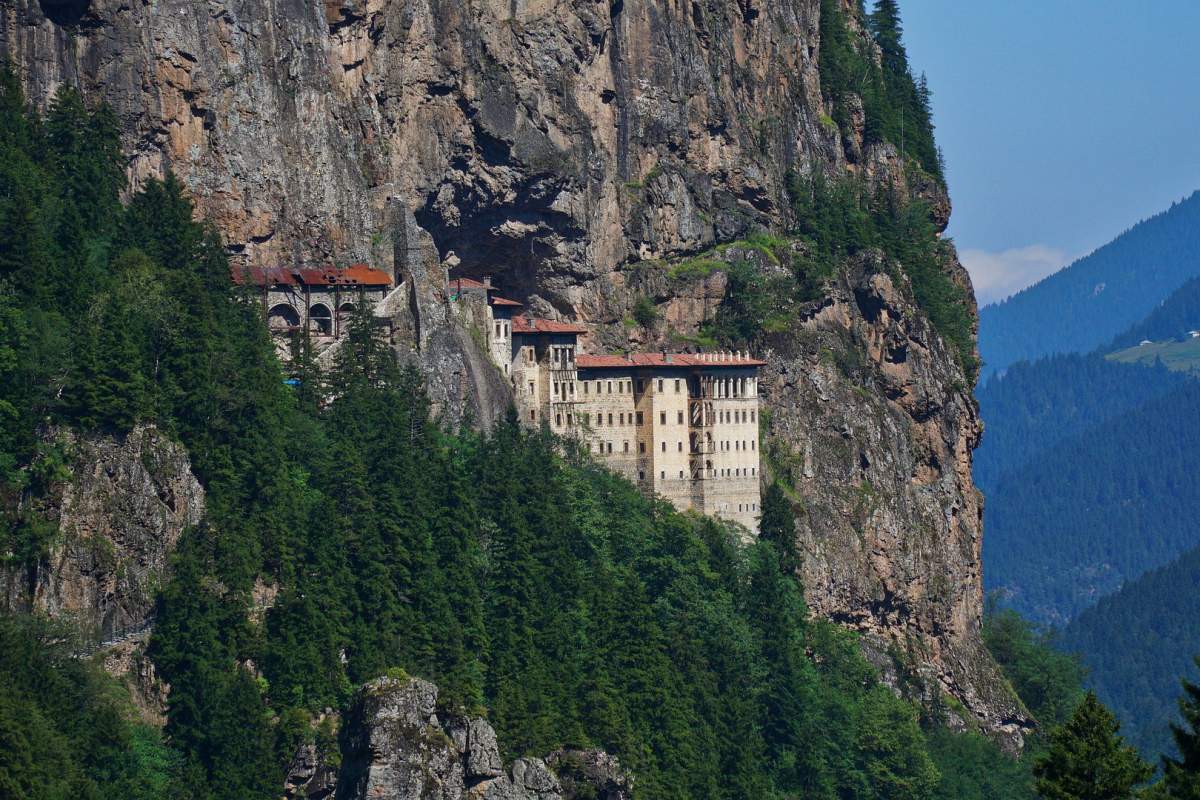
320	319
282	318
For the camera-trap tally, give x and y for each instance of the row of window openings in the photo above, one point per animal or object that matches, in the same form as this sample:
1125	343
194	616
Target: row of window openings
731	387
725	417
728	472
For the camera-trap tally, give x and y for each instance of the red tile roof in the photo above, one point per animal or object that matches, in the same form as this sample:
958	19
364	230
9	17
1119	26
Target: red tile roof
528	325
355	275
466	283
504	301
667	360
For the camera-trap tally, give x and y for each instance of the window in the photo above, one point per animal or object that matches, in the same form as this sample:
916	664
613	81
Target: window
499	328
626	447
662	418
610	418
641	474
660	384
568	419
664	447
531	387
752	443
676	386
621	417
752	416
641	447
680	447
532	414
585	387
754	470
558	420
663	475
610	387
628	387
680	474
679	418
639	418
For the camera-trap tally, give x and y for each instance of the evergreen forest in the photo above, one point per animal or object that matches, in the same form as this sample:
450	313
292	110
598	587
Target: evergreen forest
531	584
1137	642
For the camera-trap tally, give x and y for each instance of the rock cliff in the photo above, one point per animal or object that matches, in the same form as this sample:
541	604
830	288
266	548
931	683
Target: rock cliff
397	745
560	145
119	512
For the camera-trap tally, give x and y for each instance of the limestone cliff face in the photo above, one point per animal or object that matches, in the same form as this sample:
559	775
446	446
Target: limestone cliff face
561	145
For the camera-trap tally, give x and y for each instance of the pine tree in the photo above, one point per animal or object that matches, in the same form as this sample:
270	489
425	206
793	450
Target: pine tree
1181	776
1088	760
778	526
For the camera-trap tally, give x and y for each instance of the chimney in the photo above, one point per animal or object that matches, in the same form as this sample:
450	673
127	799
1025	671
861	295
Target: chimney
487	281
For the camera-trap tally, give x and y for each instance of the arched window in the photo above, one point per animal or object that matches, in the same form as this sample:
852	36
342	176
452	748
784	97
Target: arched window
320	319
282	318
345	311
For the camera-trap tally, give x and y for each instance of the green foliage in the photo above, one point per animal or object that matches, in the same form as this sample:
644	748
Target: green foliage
1136	643
838	220
1047	680
972	767
644	312
754	303
62	732
1181	775
1088	760
896	106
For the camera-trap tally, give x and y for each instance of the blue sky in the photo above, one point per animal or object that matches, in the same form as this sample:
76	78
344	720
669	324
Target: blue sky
1063	122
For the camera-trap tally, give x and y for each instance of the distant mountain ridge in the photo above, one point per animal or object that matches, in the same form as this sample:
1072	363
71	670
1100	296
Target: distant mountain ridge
1088	303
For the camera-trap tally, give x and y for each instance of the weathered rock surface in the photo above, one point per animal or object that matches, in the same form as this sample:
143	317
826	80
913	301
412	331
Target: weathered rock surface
119	516
396	747
555	144
873	424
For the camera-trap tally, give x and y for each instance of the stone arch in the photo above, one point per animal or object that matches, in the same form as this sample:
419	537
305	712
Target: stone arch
320	319
282	318
344	312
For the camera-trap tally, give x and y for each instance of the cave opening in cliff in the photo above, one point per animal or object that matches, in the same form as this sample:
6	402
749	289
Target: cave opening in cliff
509	246
65	12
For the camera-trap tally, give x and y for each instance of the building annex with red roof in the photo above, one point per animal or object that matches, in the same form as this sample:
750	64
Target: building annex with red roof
680	425
316	299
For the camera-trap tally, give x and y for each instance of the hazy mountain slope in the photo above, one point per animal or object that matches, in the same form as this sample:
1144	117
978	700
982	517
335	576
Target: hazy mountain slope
1035	405
1138	642
1088	303
1097	508
1178	314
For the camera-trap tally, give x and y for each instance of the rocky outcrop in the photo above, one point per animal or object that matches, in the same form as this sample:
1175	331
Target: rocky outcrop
566	147
872	425
119	513
397	745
